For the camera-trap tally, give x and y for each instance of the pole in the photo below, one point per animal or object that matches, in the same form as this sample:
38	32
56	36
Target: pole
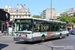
12	27
51	10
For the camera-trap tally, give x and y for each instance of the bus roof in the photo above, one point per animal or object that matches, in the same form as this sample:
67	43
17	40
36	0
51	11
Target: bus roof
42	20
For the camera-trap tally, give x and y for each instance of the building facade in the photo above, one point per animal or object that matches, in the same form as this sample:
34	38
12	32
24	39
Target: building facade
70	12
46	14
4	19
17	12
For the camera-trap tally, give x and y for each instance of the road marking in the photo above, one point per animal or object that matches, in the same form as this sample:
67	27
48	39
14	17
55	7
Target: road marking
52	48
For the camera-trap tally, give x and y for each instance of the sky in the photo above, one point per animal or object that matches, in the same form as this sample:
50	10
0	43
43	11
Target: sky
37	6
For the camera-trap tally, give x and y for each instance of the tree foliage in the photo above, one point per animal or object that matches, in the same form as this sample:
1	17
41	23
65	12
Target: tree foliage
37	16
73	19
74	14
68	19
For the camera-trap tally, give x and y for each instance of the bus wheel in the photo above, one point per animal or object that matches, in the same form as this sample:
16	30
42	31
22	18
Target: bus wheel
67	34
60	36
43	38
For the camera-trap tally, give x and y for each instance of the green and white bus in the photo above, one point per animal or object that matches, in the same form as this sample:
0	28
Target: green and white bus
32	29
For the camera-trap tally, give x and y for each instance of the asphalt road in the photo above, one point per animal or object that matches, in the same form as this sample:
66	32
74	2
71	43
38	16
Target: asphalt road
68	43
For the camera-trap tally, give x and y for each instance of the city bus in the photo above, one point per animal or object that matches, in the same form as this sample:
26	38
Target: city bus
33	29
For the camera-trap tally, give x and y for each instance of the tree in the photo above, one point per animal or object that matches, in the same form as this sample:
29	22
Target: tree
63	18
37	16
73	19
74	14
66	18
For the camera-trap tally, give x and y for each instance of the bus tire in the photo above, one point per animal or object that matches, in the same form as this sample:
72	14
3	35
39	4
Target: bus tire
67	34
60	36
43	38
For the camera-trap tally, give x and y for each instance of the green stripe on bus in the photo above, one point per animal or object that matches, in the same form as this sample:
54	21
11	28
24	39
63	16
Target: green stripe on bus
50	21
43	32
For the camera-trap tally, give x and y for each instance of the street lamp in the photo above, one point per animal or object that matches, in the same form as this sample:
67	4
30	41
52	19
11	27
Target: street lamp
51	10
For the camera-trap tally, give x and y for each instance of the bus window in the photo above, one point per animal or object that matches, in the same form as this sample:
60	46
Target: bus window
47	27
57	28
37	27
62	28
44	27
52	27
23	27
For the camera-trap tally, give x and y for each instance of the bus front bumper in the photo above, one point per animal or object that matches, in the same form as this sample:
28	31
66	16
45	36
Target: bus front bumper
22	39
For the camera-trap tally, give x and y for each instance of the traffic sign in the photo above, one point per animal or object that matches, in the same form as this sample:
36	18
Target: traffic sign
7	25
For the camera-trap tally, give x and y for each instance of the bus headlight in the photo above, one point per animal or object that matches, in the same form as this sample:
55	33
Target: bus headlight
15	35
26	35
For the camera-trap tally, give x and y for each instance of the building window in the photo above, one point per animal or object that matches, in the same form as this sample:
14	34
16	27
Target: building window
16	16
13	16
20	16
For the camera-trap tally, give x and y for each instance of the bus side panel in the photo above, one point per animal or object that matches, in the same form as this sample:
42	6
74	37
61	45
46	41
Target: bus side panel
58	33
64	33
48	35
36	36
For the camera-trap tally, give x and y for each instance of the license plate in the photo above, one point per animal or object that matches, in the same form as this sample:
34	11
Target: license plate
23	35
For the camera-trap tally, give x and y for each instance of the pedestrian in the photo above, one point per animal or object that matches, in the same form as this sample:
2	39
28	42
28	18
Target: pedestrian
5	32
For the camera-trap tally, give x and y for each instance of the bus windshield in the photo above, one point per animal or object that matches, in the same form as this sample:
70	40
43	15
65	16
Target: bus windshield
23	27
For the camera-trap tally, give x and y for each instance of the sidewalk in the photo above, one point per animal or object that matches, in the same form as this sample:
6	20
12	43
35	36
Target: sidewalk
7	36
1	35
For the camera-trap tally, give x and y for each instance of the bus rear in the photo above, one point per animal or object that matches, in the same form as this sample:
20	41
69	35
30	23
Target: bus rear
23	29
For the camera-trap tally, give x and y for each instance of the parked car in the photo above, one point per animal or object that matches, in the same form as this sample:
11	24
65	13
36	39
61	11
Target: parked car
72	31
